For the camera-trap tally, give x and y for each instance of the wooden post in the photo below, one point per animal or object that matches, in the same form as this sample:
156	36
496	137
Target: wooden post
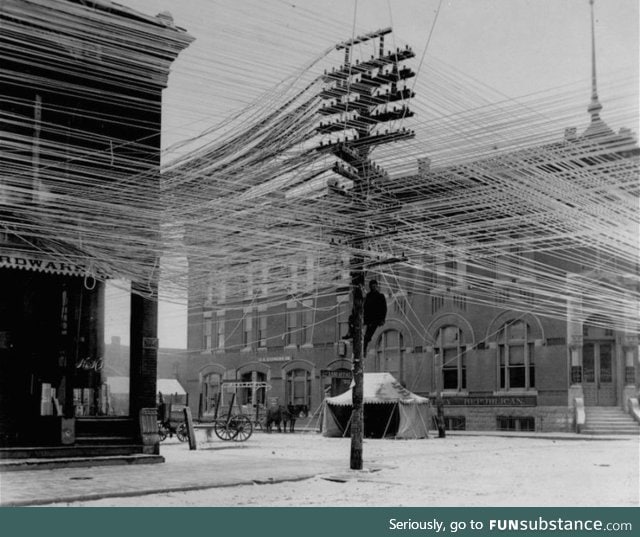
357	393
188	420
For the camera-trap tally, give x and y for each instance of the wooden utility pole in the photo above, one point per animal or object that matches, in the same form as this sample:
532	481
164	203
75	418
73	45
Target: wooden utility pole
359	98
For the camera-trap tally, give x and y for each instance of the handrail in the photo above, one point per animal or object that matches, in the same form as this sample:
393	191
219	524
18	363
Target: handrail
580	416
634	408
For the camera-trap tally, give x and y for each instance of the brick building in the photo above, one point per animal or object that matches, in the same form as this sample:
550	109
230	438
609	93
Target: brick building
481	338
82	85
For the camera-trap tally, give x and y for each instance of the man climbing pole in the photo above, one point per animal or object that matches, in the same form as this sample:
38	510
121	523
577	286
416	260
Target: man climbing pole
375	312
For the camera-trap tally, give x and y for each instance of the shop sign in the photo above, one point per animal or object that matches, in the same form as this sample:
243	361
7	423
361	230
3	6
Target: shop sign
39	264
274	359
340	374
499	400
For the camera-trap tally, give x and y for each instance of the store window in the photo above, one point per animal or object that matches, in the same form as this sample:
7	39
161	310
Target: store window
390	353
516	356
452	352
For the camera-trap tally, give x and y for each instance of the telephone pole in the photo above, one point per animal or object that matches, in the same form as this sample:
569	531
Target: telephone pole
360	98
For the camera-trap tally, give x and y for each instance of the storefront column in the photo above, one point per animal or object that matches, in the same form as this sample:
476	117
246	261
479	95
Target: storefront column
144	348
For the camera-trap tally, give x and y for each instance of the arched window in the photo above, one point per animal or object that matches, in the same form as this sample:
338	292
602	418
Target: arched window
249	395
341	382
390	353
516	367
450	347
211	386
298	387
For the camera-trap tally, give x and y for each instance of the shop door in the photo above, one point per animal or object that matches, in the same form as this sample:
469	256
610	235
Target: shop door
598	367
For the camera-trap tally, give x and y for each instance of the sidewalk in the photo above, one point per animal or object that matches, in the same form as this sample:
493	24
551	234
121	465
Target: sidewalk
265	459
212	464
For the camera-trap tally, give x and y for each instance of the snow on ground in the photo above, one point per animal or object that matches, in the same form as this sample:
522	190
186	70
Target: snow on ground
459	470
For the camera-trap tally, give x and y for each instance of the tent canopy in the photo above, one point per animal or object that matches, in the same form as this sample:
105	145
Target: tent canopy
170	386
165	386
380	388
389	410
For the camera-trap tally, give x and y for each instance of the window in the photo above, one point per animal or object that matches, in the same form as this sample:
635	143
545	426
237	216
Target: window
437	302
247	328
390	353
211	389
342	319
298	387
515	423
307	322
262	327
452	351
206	329
341	382
516	356
252	395
291	325
220	329
455	423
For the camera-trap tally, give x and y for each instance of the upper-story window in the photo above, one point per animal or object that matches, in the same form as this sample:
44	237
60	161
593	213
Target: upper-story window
308	315
247	328
262	327
342	317
220	333
516	369
291	325
207	330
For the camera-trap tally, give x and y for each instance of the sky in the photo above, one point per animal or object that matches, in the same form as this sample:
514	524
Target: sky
513	48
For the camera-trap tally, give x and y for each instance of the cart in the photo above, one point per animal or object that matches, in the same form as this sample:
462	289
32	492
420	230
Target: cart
232	426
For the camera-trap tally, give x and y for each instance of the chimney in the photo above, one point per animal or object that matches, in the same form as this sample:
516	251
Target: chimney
570	133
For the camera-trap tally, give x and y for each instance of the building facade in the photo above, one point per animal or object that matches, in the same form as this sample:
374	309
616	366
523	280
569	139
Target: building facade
80	118
480	337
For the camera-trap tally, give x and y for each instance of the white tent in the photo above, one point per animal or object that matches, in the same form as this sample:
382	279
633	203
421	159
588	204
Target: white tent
389	410
170	387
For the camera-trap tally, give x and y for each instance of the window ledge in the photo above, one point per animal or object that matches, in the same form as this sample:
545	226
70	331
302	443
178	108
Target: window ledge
290	346
517	391
246	349
307	346
454	393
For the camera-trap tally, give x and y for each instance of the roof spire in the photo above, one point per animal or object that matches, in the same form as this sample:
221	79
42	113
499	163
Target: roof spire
594	106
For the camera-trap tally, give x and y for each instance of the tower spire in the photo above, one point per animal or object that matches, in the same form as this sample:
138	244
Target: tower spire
594	106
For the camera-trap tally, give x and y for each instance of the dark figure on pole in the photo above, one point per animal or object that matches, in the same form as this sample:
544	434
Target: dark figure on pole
375	312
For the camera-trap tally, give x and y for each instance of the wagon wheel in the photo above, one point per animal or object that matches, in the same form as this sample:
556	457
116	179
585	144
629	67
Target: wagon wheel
182	432
243	427
224	430
162	432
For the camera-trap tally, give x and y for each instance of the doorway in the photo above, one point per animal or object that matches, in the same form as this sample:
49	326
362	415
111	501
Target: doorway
598	358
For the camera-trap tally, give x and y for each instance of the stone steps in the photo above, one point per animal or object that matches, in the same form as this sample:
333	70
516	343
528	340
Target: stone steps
609	421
